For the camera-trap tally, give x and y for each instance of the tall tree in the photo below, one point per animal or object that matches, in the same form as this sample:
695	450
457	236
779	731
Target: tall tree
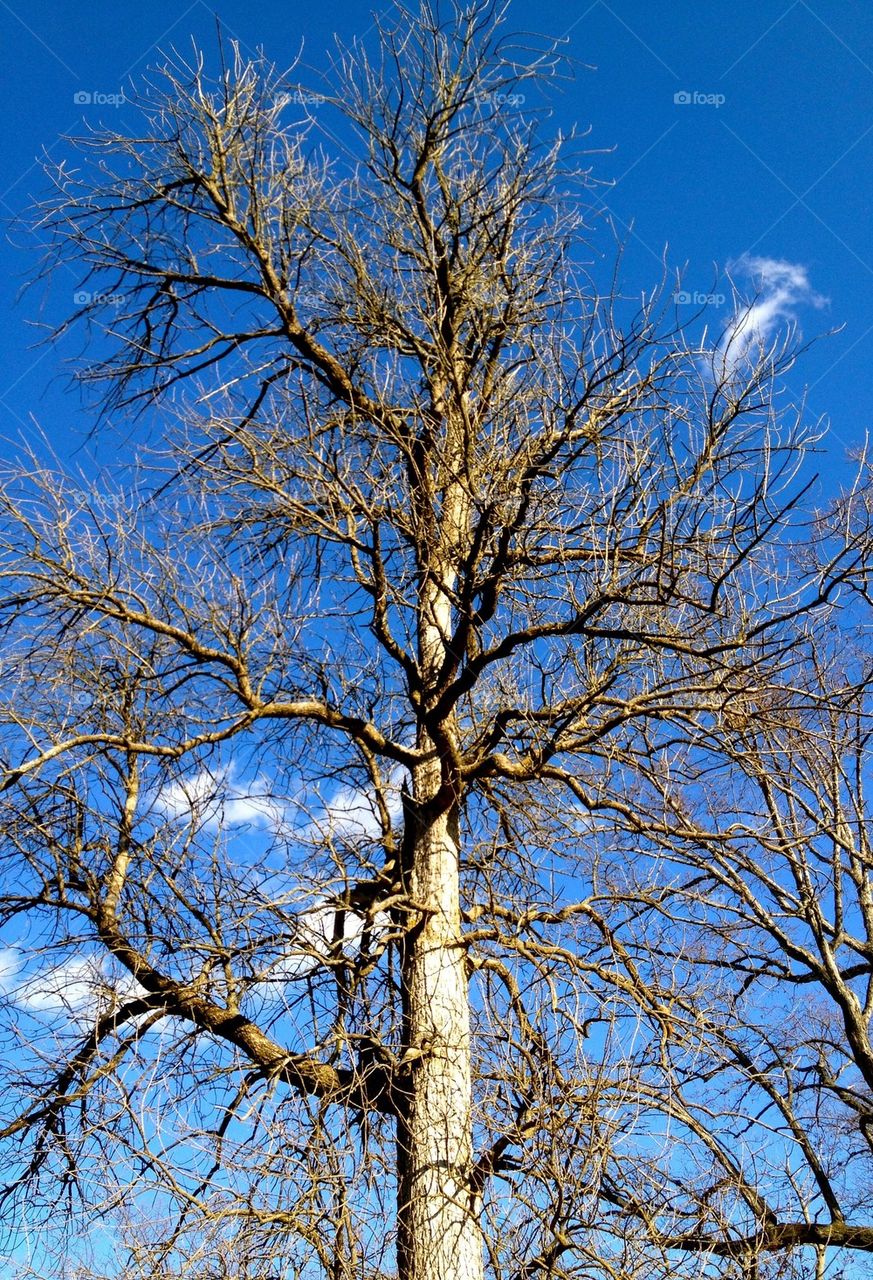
440	554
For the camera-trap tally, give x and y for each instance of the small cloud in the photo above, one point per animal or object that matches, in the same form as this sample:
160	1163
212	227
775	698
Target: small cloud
781	289
10	964
316	930
253	806
318	934
352	814
189	797
76	986
213	799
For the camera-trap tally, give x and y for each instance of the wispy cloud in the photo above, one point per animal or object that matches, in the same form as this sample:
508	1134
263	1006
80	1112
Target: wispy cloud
779	291
352	813
10	964
77	986
73	986
218	798
317	939
213	799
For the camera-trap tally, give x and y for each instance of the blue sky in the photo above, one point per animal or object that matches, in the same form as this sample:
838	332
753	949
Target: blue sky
772	156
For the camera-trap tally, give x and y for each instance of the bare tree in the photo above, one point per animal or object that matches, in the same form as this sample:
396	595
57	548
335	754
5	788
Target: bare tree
759	920
440	553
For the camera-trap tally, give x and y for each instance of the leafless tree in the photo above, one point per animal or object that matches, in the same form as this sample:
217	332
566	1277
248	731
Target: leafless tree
762	906
324	727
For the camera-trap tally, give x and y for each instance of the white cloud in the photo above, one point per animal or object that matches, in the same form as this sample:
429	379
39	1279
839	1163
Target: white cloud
780	290
315	929
314	939
76	986
10	963
212	799
215	798
352	814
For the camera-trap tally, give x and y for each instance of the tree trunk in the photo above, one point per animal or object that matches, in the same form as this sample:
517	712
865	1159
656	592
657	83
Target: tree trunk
439	1237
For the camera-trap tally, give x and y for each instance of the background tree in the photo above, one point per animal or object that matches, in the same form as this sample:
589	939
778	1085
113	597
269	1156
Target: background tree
767	892
441	557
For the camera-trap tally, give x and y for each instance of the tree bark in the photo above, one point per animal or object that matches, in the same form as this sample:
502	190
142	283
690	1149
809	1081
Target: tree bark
438	1233
439	1237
